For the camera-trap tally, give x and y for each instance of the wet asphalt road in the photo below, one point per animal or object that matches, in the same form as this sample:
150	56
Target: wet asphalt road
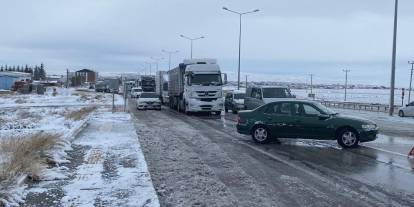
294	173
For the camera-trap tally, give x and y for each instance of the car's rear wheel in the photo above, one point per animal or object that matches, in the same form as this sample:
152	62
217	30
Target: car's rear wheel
348	138
226	109
401	113
261	134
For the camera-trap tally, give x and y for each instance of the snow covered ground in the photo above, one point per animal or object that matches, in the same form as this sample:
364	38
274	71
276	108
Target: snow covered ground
111	171
379	96
64	97
111	147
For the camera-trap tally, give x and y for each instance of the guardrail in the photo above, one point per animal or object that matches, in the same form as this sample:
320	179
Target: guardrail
359	106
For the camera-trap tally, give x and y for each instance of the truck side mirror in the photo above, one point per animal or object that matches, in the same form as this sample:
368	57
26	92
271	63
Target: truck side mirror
225	78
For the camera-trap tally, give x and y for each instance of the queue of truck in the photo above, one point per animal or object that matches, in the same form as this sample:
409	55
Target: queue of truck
196	85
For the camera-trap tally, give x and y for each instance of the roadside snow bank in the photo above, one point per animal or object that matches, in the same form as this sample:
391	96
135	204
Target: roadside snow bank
114	171
21	123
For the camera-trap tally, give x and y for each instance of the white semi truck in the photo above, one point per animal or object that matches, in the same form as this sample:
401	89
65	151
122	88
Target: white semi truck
196	86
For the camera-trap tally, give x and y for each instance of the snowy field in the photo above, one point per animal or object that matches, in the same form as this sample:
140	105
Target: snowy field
62	116
377	96
64	97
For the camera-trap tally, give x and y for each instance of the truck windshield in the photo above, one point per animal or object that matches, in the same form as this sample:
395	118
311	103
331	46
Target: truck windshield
206	79
276	93
149	95
239	96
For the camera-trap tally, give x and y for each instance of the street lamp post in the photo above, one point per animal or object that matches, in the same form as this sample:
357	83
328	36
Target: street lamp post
346	80
156	62
411	80
149	63
169	56
191	43
240	30
394	52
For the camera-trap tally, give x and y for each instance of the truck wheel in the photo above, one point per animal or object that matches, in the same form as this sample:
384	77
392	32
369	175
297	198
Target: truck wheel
348	138
234	111
261	134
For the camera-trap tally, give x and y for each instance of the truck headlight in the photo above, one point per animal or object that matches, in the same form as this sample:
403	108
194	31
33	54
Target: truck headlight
194	94
369	127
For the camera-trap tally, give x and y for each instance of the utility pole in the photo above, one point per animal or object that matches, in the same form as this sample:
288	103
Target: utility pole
67	77
394	53
311	82
346	80
240	33
411	79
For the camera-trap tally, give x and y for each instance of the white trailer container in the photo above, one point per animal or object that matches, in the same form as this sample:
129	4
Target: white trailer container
161	86
196	86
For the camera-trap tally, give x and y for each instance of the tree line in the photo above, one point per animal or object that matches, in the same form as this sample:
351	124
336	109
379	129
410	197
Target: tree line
37	72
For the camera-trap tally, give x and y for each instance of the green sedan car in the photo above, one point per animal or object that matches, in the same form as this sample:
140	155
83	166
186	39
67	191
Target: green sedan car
304	119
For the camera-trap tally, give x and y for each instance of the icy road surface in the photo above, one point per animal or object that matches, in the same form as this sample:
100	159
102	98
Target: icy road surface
203	161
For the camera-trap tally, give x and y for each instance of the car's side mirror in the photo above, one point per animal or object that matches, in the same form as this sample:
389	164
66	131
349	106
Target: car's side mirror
323	116
225	78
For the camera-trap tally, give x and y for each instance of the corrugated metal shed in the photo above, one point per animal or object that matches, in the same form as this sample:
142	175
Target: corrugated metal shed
7	79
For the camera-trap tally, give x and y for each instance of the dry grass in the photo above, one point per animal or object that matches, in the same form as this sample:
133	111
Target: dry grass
25	155
82	113
25	114
20	101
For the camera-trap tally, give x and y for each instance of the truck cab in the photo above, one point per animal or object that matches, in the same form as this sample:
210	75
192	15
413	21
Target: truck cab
201	86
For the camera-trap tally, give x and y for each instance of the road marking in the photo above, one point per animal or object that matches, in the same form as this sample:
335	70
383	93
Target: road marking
387	151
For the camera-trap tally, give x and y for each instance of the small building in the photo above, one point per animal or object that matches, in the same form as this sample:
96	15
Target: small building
7	79
84	76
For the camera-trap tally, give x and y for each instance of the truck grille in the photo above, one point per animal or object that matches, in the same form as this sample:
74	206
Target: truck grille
206	93
206	107
208	99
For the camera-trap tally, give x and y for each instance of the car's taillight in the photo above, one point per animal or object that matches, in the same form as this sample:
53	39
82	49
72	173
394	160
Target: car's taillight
238	119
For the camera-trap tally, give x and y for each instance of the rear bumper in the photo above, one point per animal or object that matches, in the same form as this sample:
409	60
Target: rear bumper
367	136
243	129
146	106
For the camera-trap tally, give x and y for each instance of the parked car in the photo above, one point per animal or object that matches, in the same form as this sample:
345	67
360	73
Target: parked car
234	101
307	120
148	100
259	95
408	110
136	92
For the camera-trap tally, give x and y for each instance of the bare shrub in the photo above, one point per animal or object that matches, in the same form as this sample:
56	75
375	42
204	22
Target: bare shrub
24	114
25	155
20	101
82	113
99	97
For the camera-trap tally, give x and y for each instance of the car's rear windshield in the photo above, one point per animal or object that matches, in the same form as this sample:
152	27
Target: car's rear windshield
239	96
137	90
149	95
276	93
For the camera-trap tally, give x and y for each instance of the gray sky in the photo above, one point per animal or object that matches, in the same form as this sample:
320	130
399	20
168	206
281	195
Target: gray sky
284	41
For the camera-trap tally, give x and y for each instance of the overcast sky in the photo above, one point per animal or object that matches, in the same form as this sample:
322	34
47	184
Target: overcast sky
286	40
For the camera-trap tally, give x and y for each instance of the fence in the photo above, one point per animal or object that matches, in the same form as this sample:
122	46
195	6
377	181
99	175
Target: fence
359	106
